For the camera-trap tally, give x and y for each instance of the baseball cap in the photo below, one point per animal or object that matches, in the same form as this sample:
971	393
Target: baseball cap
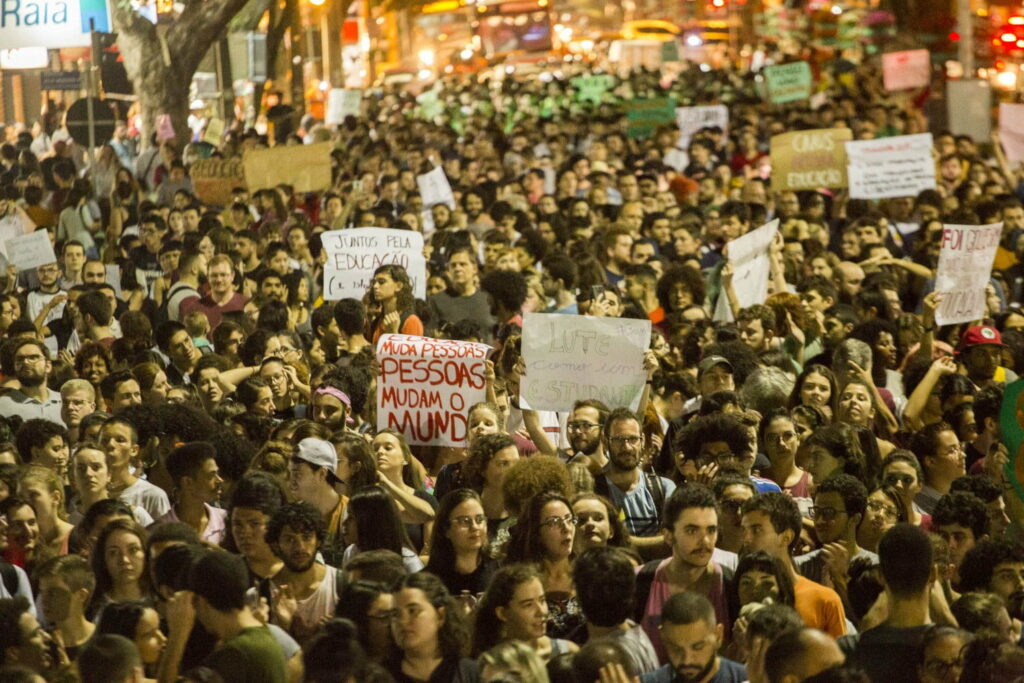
318	453
978	335
710	362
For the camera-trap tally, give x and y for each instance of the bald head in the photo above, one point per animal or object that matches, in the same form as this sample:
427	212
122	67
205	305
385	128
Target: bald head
849	278
799	654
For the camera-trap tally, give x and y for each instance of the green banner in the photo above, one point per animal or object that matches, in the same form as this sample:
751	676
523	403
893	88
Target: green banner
1011	433
592	88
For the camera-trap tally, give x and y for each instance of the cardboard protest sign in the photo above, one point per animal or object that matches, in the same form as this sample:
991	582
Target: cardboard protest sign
969	104
213	179
906	69
899	166
1011	433
305	167
809	159
751	265
426	386
788	82
1011	130
571	357
30	251
353	255
14	224
342	103
214	133
435	188
592	88
965	263
692	119
643	116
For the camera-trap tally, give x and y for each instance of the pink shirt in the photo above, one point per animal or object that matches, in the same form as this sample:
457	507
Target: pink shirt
216	523
661	591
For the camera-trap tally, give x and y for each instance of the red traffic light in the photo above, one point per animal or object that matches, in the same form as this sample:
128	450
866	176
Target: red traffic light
954	36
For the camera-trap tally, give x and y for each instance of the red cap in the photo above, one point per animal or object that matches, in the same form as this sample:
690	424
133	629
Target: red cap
978	335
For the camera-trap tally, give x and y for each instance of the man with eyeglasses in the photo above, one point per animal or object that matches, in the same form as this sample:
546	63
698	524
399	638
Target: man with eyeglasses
886	652
942	459
223	297
839	506
78	399
583	431
639	495
33	399
464	299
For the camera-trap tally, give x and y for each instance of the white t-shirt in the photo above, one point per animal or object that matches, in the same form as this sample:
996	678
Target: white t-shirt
150	498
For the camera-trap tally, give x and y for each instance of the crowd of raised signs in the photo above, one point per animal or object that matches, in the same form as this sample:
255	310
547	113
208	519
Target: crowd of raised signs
804	468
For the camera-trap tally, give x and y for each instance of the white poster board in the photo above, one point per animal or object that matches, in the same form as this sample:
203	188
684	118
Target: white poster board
573	357
30	251
899	166
341	103
426	387
1011	130
435	188
906	69
969	104
692	119
965	264
751	265
353	255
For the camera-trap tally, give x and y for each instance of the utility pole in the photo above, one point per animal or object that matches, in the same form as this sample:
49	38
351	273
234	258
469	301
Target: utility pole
965	25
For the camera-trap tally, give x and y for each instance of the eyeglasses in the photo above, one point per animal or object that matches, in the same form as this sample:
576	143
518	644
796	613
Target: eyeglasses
29	360
825	514
941	668
467	522
895	479
563	522
625	440
732	506
581	426
887	511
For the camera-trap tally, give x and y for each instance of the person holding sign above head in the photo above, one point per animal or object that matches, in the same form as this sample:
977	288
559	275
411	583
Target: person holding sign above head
391	289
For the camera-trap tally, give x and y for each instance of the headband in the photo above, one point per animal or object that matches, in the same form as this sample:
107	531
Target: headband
341	396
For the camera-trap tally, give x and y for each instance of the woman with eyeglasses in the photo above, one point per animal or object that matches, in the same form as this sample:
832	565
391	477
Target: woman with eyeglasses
515	609
885	510
458	549
544	535
369	606
431	633
942	654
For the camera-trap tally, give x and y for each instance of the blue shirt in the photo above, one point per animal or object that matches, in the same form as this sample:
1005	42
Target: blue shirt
764	485
728	672
641	515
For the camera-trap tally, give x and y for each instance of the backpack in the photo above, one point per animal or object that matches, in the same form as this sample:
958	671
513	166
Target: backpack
654	485
9	575
163	313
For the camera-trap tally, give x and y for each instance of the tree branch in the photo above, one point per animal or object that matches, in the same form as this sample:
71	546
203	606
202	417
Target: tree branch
127	20
200	23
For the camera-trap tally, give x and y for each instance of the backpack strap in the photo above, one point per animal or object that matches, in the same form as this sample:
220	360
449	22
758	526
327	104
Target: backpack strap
9	575
644	581
657	490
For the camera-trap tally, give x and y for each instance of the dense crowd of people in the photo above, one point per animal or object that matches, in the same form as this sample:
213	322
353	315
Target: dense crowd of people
817	487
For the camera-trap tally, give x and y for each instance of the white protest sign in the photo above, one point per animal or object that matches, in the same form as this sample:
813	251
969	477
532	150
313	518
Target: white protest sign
12	225
691	119
30	251
906	69
965	263
353	255
573	357
969	105
342	103
899	166
435	189
751	266
426	386
1011	130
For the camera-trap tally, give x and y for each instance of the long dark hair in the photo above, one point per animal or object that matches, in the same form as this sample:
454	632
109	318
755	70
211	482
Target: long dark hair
486	624
524	543
406	302
98	559
453	634
362	463
121	618
355	602
442	552
378	526
813	369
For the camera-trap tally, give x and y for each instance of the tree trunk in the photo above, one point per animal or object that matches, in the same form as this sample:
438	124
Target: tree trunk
161	62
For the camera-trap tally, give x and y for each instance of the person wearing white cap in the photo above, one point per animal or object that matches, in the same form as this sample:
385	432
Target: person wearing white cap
311	479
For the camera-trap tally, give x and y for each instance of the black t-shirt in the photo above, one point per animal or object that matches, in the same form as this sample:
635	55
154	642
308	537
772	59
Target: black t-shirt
450	670
884	651
457	583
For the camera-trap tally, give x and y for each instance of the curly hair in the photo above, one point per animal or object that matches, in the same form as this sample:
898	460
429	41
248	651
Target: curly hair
299	517
36	433
687	276
979	563
524	543
963	509
481	452
487	626
453	635
531	476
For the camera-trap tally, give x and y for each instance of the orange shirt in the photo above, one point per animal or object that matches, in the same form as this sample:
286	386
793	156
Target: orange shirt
820	607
